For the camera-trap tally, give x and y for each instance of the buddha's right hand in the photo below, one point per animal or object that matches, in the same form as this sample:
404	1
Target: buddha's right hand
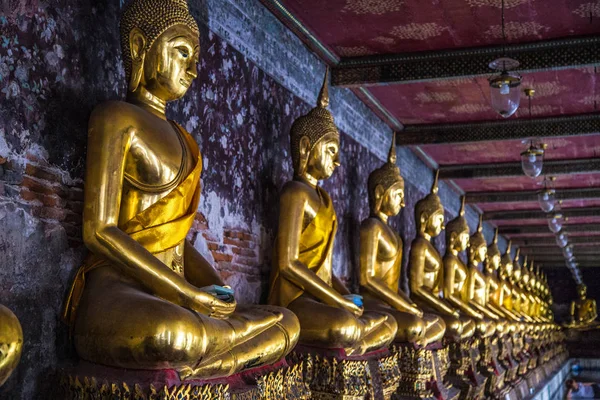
203	302
353	308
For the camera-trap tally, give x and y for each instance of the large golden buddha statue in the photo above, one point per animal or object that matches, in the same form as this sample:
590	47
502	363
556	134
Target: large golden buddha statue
478	294
456	275
495	285
11	343
520	297
381	259
146	298
426	267
302	278
583	310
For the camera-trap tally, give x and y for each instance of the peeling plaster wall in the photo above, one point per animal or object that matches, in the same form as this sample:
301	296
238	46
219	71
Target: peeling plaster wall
58	59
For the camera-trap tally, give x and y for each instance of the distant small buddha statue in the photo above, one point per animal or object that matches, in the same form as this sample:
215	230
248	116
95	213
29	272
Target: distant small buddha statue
478	293
505	276
11	343
495	289
146	298
456	274
520	297
302	278
381	259
583	310
426	267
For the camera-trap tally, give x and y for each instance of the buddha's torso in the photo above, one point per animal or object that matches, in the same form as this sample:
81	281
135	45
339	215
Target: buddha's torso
158	159
389	257
461	275
584	310
495	293
480	289
432	264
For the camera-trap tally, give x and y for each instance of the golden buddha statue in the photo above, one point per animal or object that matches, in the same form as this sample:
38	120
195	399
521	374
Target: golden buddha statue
456	274
478	293
11	343
302	278
505	276
381	259
583	310
520	297
146	298
426	267
495	285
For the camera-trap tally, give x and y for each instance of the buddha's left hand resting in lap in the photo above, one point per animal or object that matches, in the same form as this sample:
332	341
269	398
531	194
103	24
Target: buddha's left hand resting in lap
145	298
302	278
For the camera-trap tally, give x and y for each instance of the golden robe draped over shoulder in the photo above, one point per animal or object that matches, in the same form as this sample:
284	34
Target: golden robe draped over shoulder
159	227
316	241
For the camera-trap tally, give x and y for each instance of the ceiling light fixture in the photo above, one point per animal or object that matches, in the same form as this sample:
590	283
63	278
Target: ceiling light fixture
547	197
532	160
562	240
555	223
504	88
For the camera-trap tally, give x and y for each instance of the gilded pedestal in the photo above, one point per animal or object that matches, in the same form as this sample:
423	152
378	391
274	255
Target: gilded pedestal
90	381
463	372
423	373
331	375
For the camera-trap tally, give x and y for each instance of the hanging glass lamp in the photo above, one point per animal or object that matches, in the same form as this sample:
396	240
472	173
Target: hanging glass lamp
547	199
532	161
562	240
505	92
555	223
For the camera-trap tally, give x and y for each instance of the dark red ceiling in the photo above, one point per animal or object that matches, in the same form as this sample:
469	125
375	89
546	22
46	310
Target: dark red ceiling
364	27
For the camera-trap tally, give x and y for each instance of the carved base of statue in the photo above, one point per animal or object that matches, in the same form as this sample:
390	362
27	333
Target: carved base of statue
88	381
491	368
332	375
463	372
510	364
423	373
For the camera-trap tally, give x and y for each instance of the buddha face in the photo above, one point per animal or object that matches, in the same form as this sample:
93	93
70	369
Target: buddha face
393	199
479	253
434	224
170	64
582	291
324	158
461	241
493	261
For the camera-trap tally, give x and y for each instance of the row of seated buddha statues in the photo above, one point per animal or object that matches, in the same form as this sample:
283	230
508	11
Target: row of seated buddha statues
147	311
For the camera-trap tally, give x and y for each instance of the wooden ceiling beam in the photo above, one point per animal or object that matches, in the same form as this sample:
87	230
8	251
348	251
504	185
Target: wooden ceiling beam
570	125
510	170
467	62
537	242
529	214
530	195
528	229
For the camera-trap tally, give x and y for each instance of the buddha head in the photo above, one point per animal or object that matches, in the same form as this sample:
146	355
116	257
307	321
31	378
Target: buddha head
457	230
525	277
506	264
315	140
160	47
492	261
582	291
478	245
386	186
429	212
516	275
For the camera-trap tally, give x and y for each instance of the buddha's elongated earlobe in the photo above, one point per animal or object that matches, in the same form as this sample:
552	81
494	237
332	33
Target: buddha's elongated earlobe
137	44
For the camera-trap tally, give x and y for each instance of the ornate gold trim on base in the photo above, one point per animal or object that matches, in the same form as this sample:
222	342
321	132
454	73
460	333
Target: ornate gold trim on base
463	372
338	378
284	383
